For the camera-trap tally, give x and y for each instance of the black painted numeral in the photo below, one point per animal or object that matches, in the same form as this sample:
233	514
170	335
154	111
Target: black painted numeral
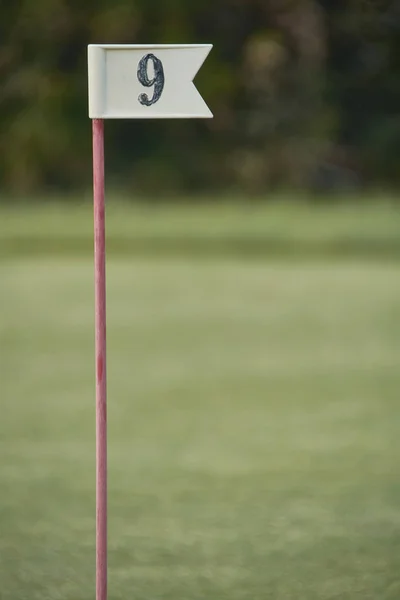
157	81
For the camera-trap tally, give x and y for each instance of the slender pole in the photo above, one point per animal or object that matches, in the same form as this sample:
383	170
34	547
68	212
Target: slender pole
101	372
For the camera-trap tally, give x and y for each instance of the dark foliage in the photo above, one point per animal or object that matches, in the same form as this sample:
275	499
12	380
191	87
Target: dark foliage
304	93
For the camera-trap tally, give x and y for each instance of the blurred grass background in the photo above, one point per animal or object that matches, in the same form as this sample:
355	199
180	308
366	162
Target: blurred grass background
253	404
286	225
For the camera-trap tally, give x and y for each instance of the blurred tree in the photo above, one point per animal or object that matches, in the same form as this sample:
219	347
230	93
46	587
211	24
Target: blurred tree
304	93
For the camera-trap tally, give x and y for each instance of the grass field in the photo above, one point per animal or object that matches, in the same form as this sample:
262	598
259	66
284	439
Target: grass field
253	412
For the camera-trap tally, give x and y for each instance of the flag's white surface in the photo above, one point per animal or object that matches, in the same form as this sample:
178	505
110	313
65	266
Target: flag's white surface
116	92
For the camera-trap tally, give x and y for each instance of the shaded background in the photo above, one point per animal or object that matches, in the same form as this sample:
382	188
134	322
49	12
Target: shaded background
305	94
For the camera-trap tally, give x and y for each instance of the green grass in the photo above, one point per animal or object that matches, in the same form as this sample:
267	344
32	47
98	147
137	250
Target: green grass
253	425
283	228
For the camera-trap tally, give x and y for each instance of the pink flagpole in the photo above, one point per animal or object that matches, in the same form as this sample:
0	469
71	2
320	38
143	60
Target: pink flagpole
101	379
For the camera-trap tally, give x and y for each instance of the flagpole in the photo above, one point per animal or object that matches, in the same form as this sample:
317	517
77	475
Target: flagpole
100	352
115	93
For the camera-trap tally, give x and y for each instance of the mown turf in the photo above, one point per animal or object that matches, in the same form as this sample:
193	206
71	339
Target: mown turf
253	429
289	227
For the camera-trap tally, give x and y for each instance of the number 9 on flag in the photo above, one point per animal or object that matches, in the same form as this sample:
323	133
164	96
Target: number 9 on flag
145	82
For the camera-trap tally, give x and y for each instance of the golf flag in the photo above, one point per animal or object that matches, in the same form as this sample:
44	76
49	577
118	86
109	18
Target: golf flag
145	82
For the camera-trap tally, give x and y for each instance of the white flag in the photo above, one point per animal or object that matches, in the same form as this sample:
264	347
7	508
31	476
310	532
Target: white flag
145	82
